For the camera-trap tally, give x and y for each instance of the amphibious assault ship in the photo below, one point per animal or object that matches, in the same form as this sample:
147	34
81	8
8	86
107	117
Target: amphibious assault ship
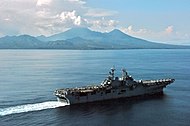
112	88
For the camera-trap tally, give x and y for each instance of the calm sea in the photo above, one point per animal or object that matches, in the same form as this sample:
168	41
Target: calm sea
28	79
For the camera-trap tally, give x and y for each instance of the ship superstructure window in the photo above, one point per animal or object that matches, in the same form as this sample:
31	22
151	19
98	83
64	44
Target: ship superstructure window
123	90
83	94
108	91
92	93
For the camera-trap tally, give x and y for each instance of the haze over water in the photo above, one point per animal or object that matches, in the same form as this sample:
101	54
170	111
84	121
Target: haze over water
28	79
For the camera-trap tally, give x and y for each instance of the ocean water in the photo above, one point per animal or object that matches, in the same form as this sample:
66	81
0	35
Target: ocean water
28	79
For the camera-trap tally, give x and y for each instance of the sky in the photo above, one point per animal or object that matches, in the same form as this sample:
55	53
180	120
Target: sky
164	21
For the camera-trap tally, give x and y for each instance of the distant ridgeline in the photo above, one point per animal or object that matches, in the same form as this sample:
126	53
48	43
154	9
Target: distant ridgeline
82	38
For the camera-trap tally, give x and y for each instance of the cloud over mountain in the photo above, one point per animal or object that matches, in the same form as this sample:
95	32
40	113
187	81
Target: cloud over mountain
81	38
50	16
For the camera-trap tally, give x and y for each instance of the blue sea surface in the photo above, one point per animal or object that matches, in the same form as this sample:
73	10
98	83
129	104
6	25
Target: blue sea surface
28	79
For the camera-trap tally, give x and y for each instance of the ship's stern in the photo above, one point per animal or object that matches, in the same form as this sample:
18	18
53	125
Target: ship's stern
61	96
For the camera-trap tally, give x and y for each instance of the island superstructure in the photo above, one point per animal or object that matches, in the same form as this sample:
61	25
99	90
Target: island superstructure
112	88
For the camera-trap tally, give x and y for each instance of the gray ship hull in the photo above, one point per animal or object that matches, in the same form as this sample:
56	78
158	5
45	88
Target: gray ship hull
126	92
112	88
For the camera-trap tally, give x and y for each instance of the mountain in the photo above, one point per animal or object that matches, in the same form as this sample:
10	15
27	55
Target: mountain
42	38
111	40
22	41
72	33
82	38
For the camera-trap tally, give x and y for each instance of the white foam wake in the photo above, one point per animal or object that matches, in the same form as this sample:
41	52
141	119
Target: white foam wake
31	107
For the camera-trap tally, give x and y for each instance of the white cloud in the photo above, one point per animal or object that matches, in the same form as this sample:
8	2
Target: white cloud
15	15
169	29
36	17
48	17
70	17
103	24
96	12
74	13
167	35
43	2
7	19
112	23
77	1
129	29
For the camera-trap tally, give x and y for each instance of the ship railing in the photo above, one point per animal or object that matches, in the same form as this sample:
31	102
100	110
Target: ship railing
60	92
94	88
158	82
